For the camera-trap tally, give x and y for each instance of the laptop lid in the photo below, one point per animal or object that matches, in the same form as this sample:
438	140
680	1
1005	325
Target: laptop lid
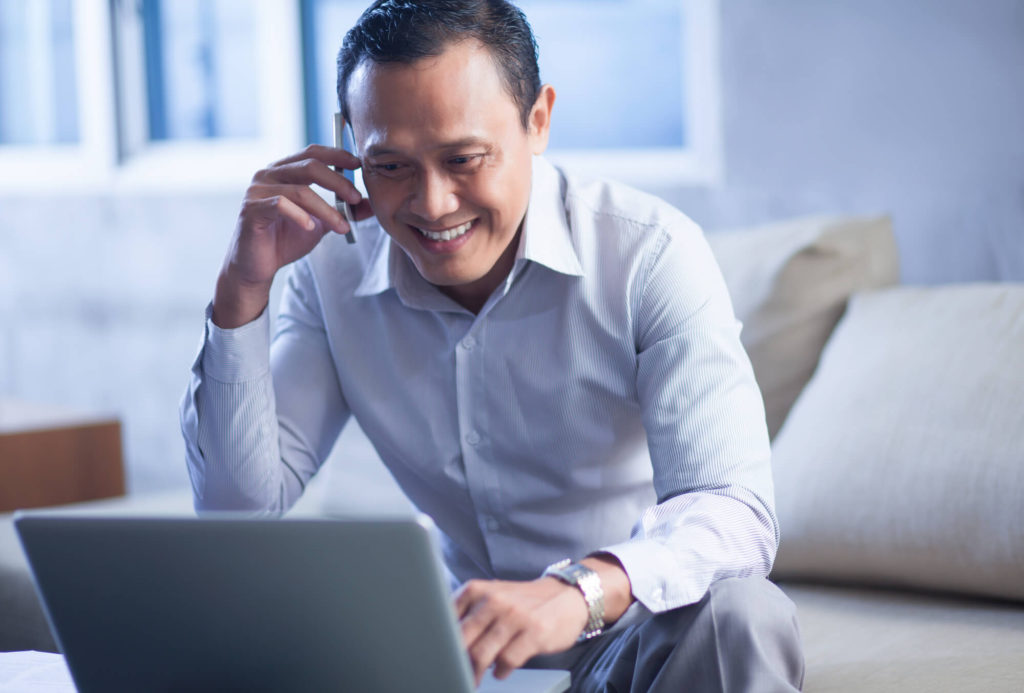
224	603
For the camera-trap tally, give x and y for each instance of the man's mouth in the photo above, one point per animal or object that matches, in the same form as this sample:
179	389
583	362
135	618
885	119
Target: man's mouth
446	234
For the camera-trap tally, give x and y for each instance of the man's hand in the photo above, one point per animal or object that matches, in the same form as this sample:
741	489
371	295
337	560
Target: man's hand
281	220
507	623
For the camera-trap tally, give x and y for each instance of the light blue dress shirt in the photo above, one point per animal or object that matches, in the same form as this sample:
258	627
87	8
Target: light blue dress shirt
600	400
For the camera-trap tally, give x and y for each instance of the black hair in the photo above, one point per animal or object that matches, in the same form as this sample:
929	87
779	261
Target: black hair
403	31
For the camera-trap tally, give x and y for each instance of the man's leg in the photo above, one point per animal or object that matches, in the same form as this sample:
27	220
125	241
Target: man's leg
742	636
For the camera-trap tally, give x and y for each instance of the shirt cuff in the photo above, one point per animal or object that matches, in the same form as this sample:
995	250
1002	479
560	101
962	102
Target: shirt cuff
647	562
237	355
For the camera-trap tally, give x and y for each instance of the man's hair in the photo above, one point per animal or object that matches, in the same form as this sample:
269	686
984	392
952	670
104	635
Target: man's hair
403	31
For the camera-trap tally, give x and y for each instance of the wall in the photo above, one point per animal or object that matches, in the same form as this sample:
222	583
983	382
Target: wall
913	107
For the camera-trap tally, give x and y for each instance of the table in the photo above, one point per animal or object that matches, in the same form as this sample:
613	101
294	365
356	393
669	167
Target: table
51	455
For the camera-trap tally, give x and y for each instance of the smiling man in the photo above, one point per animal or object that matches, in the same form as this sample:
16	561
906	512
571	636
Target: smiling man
549	366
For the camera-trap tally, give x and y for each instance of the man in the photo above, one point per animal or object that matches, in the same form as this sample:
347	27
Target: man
550	368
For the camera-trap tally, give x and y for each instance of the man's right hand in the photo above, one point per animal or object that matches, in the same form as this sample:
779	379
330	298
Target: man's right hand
282	220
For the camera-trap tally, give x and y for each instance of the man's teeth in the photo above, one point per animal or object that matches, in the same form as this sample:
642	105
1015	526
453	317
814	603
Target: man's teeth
447	234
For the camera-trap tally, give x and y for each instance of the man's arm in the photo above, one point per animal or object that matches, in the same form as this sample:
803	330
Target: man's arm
709	447
706	432
258	421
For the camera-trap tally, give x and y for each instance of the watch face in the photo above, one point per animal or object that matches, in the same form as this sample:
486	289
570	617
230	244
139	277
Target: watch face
576	571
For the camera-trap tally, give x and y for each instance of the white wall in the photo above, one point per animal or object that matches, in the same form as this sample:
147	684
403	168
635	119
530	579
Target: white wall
914	107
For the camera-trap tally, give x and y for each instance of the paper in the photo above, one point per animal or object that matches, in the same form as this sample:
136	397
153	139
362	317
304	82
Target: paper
34	672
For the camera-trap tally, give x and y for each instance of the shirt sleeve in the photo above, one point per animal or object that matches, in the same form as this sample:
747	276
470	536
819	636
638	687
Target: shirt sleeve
705	424
259	418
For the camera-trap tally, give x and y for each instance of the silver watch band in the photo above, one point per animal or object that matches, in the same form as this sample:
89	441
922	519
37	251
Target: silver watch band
588	583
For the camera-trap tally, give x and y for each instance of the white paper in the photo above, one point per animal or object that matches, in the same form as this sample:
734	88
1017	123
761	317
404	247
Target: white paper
34	672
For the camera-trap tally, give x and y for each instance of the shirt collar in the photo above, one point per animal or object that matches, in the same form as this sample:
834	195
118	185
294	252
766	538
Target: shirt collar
546	239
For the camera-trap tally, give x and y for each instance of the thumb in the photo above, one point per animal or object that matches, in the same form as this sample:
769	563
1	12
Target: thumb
363	210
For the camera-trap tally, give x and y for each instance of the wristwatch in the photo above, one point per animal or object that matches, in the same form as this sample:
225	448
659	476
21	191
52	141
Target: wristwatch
587	582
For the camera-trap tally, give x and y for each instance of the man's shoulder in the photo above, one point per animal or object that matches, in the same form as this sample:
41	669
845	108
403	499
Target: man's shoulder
621	205
611	217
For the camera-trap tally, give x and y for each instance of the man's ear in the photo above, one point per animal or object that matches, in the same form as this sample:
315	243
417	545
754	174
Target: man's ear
540	119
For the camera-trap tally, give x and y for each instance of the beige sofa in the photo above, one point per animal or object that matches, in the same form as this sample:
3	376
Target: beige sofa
898	425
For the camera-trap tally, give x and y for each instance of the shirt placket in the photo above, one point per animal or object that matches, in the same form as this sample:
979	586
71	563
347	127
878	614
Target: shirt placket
481	474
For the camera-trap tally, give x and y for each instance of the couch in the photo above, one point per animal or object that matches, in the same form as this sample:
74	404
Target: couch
897	417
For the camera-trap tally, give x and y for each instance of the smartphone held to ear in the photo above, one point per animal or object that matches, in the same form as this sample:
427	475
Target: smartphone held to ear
341	205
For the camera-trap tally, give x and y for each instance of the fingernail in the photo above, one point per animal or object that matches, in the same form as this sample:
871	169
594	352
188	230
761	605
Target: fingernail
311	224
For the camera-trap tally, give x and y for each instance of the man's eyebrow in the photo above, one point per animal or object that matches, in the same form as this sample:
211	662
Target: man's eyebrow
472	141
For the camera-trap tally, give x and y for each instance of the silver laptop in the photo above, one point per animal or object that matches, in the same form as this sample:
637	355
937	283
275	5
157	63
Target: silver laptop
231	604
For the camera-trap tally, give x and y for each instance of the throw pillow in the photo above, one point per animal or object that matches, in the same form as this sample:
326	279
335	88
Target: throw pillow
789	283
902	463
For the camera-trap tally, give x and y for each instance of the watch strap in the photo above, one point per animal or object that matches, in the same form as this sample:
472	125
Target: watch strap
588	582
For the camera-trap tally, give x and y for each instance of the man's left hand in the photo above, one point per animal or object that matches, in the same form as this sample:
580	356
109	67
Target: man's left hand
507	623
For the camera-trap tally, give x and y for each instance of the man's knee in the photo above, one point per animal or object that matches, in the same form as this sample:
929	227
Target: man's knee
750	600
753	614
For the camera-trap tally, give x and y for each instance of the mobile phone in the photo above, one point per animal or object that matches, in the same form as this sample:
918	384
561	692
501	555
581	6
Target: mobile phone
342	206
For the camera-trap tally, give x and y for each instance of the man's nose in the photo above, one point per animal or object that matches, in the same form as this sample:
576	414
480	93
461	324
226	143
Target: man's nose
434	196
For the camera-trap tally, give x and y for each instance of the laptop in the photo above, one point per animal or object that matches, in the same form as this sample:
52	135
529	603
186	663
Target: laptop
232	604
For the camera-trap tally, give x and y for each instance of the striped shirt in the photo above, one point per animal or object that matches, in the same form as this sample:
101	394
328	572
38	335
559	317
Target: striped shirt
599	401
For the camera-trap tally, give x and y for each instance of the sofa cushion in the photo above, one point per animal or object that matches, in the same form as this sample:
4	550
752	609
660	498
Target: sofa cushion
789	283
902	462
890	642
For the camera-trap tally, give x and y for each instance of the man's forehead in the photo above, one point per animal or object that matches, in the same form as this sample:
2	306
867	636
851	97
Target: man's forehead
381	147
437	102
469	53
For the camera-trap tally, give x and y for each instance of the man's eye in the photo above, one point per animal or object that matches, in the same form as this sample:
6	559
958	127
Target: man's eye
390	169
464	161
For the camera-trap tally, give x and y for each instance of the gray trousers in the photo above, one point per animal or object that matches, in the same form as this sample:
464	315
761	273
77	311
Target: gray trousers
742	636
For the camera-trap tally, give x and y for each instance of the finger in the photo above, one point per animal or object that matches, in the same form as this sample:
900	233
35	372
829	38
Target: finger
515	654
363	210
273	208
492	641
311	203
307	171
475	623
469	594
328	155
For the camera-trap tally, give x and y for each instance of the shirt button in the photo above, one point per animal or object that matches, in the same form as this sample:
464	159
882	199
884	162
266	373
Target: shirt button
472	437
658	594
492	524
468	343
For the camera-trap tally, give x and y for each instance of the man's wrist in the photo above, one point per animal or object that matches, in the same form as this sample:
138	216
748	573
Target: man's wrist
236	304
618	594
588	583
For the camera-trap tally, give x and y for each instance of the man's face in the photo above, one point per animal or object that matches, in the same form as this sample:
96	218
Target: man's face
447	162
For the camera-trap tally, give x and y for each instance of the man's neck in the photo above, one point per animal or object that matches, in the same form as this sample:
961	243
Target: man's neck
473	296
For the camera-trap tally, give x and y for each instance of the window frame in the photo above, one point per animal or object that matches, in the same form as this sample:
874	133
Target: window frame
113	152
28	168
698	163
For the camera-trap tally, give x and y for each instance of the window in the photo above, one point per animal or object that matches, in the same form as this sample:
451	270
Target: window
155	94
636	82
56	115
198	94
37	73
208	90
200	58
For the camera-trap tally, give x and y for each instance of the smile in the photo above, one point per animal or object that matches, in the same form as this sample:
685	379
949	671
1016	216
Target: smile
447	234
